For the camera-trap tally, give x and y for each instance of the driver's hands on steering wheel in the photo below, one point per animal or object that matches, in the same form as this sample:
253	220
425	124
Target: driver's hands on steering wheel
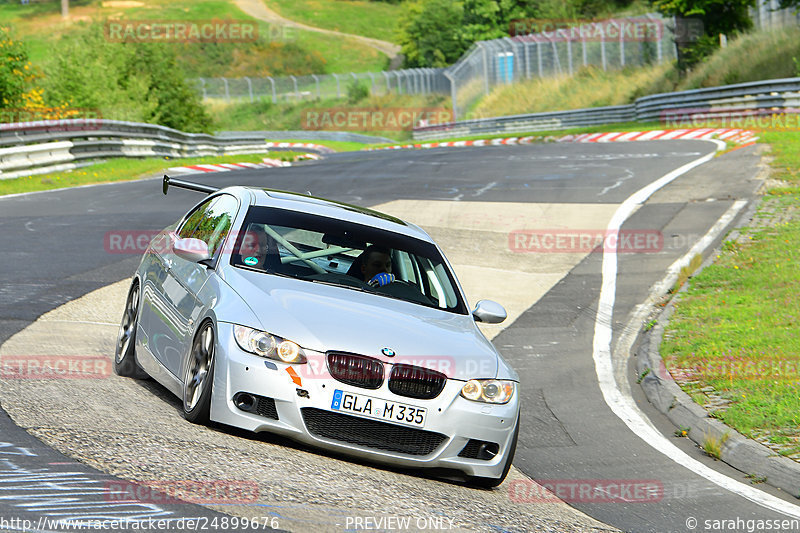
379	280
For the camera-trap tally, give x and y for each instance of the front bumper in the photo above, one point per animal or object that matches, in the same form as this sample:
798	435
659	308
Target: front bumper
303	395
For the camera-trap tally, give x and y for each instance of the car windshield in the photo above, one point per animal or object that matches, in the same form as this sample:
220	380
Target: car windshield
353	256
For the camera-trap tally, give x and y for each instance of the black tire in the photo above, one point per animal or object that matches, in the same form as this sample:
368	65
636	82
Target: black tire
198	377
490	482
125	354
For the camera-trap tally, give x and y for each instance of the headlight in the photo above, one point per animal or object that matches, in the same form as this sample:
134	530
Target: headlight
265	345
488	390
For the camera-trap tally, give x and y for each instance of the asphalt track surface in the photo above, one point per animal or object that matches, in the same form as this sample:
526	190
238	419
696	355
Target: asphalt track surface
50	255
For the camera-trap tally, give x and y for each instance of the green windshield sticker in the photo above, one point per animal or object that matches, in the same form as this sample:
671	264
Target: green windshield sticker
251	261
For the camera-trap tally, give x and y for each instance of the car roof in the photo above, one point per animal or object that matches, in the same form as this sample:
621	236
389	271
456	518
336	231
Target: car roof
333	209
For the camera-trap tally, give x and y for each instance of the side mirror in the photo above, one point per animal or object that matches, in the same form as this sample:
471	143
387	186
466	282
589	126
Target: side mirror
193	250
489	312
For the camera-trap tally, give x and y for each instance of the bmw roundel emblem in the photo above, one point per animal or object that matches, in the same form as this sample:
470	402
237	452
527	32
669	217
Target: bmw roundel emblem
388	352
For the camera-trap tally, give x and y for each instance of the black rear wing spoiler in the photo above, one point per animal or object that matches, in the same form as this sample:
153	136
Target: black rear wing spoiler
199	187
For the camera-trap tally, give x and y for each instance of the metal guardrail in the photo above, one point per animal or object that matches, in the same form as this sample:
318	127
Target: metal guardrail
47	146
55	145
761	97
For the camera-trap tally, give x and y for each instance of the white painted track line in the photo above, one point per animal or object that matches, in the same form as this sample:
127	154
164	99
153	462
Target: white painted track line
623	405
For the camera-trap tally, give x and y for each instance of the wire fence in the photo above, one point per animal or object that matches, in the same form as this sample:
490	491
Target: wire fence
609	44
323	86
561	48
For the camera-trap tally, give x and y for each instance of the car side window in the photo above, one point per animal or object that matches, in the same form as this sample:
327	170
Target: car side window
193	219
211	222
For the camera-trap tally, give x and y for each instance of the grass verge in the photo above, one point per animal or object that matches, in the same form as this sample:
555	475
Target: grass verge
735	335
288	116
370	19
40	25
760	55
121	170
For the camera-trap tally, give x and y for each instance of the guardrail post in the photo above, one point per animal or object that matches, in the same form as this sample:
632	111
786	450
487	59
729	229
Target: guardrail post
296	92
338	87
274	94
250	88
203	87
621	47
372	82
227	91
316	82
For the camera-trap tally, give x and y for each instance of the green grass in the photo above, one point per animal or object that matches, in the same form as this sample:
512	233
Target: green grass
121	170
737	328
589	87
370	19
761	55
40	25
751	57
264	115
339	146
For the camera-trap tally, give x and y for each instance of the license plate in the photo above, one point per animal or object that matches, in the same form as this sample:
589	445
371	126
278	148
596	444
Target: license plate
377	408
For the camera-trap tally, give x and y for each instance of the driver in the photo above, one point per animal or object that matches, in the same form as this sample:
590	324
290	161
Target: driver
376	266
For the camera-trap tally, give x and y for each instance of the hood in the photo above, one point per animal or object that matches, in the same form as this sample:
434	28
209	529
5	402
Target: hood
326	318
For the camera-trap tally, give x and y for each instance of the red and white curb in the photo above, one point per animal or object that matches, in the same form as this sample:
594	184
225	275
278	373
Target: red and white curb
226	167
450	144
737	136
733	135
308	146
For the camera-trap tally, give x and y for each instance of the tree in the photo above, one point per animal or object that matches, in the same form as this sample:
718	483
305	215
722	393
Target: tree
430	33
727	17
123	81
15	70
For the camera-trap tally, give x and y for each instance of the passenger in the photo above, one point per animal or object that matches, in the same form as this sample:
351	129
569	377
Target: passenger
254	248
